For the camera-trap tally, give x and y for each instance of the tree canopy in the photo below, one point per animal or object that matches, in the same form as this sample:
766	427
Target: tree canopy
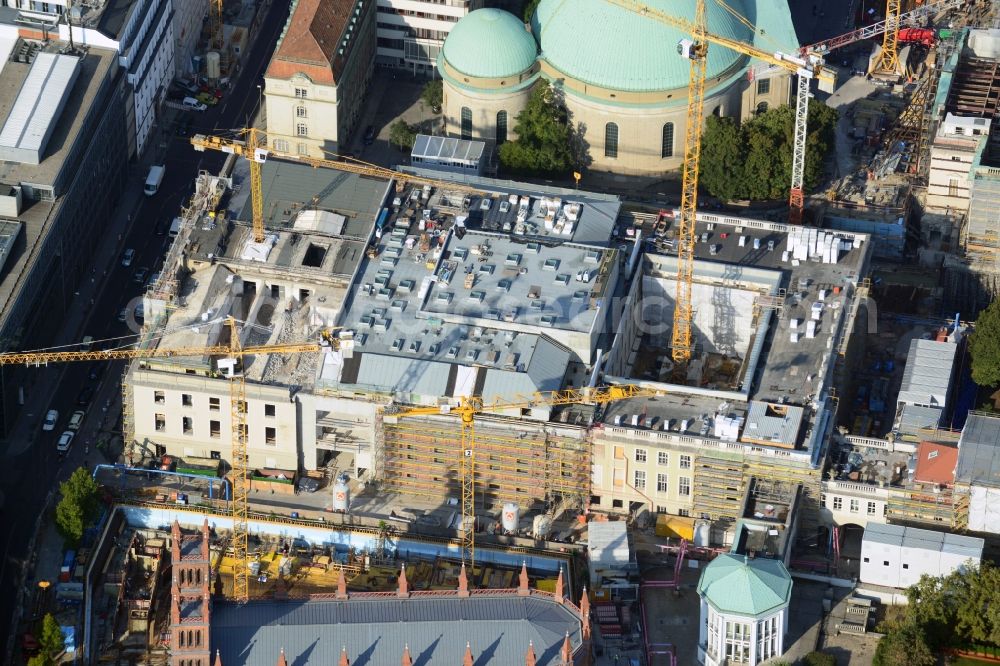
529	9
984	345
947	611
78	507
433	94
402	134
754	160
544	144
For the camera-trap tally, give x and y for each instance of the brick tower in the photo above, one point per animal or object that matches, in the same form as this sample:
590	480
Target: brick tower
190	601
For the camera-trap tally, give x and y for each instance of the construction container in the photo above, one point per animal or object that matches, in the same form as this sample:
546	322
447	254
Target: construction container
674	527
510	517
341	494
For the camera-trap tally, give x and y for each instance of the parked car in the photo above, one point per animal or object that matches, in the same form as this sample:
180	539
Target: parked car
140	312
76	420
123	315
207	98
50	420
65	439
152	279
193	104
369	135
127	257
140	275
96	371
215	92
307	484
183	126
83	398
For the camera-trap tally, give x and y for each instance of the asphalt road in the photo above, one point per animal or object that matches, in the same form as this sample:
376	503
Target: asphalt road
26	479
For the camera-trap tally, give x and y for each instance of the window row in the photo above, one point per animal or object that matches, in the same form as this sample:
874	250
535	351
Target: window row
854	505
662	458
501	125
214	404
611	140
214	428
662	483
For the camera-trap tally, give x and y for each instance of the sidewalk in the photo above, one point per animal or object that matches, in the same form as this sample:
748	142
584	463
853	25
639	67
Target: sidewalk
22	435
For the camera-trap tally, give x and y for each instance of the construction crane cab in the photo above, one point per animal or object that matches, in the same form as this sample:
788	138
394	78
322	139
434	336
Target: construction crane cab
690	49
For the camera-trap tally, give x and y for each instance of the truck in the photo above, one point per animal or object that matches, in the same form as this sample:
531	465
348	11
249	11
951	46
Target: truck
153	179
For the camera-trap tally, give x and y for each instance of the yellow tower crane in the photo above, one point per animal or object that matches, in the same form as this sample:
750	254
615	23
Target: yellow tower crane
468	407
217	38
253	148
888	59
805	66
240	460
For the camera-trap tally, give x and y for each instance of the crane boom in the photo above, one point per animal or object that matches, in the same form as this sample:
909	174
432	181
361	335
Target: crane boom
44	358
909	18
469	406
805	67
238	407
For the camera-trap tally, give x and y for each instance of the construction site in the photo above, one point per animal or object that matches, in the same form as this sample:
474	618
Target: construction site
436	408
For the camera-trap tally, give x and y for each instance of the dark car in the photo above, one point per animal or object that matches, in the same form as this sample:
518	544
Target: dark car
183	126
85	396
96	371
369	135
307	484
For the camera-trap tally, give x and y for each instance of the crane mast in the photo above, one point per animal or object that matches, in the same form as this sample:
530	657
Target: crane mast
238	409
467	409
696	52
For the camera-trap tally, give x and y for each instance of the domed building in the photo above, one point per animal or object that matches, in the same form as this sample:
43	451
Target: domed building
619	73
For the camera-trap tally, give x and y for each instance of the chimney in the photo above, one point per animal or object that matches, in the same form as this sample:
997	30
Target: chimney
344	661
522	581
404	587
342	585
175	541
530	659
463	583
560	596
281	658
468	660
406	661
566	652
585	615
205	534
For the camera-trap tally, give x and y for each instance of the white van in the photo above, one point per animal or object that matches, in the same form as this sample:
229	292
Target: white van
175	227
154	179
193	104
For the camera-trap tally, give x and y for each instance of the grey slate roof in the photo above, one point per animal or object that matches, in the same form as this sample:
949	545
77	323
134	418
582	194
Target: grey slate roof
375	631
763	425
978	448
927	375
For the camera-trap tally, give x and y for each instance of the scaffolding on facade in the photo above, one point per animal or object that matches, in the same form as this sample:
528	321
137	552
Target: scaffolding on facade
421	458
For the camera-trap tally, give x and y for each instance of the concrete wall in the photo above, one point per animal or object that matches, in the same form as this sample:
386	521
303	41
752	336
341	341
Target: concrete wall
272	440
948	184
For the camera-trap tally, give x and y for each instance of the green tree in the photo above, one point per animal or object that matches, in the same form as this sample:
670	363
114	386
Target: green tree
722	158
754	160
544	144
78	507
984	345
433	95
51	639
403	134
819	659
529	9
904	647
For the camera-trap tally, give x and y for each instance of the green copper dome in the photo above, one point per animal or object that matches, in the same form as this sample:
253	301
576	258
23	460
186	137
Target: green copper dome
490	43
734	584
604	45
